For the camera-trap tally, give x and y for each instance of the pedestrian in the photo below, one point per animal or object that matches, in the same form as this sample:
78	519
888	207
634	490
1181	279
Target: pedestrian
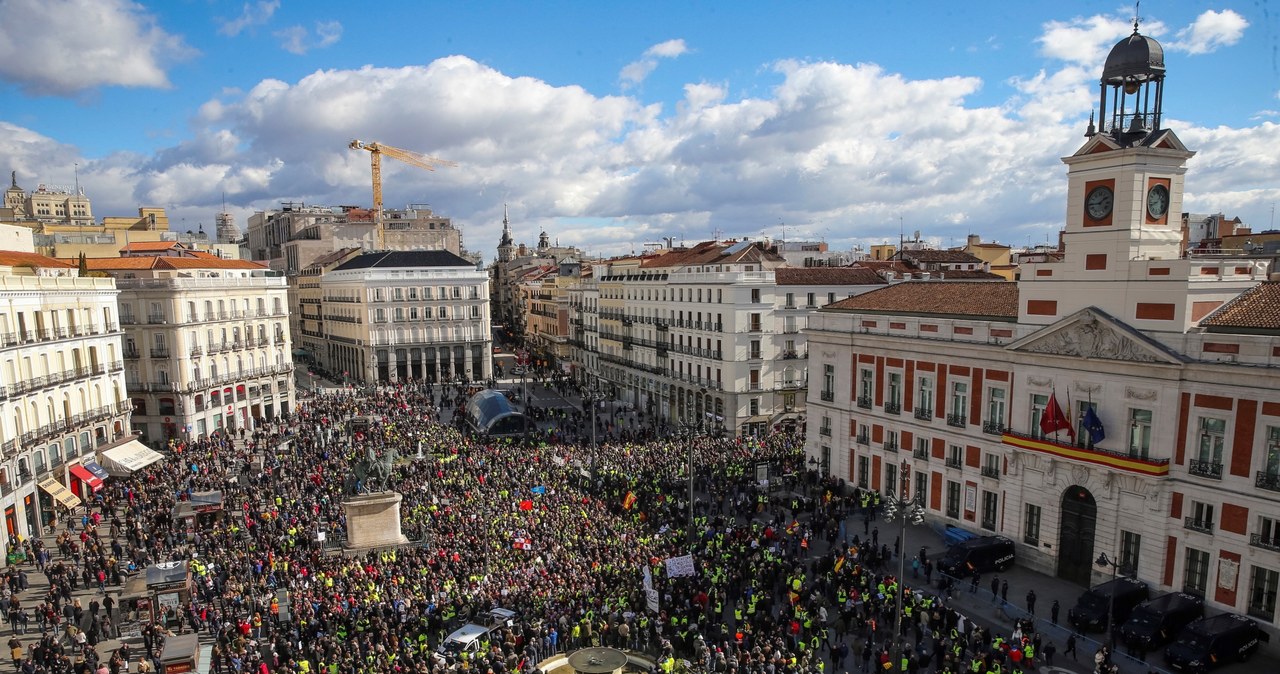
1031	602
1071	647
1004	591
1049	650
995	588
973	584
1053	611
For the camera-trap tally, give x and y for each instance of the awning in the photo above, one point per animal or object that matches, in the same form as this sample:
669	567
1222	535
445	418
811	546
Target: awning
97	470
757	419
129	457
84	475
61	494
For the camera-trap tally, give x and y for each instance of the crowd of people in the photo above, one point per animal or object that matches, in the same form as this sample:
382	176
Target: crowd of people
562	533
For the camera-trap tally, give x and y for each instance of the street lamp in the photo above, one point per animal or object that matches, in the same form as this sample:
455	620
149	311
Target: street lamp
1103	560
906	511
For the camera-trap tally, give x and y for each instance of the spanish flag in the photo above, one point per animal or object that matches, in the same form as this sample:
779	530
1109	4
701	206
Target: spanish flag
629	500
839	564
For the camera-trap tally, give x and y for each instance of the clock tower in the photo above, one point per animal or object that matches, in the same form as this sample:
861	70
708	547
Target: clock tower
1122	239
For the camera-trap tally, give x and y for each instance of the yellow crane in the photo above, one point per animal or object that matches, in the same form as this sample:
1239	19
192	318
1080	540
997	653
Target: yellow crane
376	150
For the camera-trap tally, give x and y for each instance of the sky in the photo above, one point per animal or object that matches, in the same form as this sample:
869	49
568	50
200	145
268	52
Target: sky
612	124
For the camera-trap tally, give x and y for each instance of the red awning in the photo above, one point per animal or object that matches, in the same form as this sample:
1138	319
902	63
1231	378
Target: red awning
81	473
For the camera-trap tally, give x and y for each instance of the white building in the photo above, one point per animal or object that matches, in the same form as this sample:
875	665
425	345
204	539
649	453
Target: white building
940	390
62	391
405	315
206	345
707	332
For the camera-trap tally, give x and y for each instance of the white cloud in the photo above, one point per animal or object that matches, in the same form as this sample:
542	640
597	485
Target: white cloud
252	14
837	151
1210	31
68	46
636	72
298	40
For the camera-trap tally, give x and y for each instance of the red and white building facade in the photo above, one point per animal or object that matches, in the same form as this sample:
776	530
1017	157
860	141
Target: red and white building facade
1178	356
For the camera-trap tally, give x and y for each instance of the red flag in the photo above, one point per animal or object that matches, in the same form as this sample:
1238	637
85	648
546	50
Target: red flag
1053	420
526	505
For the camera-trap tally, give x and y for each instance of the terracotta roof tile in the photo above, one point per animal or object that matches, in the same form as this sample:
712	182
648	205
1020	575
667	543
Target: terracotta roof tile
827	276
951	256
979	299
13	258
199	263
120	263
712	252
1257	308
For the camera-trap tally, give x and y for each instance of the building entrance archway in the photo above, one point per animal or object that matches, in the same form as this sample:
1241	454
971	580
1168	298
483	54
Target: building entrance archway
1079	521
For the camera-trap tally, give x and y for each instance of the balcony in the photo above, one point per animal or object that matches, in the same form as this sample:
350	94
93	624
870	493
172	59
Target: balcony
956	420
159	352
892	408
131	354
755	355
790	355
1091	456
923	413
828	396
864	402
954	462
197	351
890	445
1265	542
864	439
1194	524
921	454
993	427
155	319
1268	481
992	472
1209	469
825	430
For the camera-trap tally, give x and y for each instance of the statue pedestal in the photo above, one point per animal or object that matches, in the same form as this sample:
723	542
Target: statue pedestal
373	521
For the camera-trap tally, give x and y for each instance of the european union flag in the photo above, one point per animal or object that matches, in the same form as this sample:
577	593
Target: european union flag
540	489
1093	425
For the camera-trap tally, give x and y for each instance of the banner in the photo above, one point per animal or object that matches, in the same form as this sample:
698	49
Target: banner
678	567
651	599
648	578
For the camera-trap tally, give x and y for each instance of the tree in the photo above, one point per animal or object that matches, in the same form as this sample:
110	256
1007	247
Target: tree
83	264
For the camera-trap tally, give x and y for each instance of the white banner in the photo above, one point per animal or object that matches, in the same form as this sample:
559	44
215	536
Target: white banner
680	566
651	598
648	578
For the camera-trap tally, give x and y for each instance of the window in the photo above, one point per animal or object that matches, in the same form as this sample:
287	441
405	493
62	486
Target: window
1268	535
398	294
1130	550
1038	404
1139	433
413	293
959	404
755	295
891	440
753	407
1031	525
475	311
955	456
953	499
924	401
831	298
1262	593
995	409
866	384
1213	434
991	465
791	300
1083	437
413	313
1195	577
1201	518
809	300
377	294
922	448
1269	477
825	428
379	315
754	350
828	382
426	292
893	404
922	484
990	509
890	479
863	468
457	292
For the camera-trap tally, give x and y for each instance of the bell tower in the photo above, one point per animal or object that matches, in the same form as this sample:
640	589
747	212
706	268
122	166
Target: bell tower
1124	192
506	248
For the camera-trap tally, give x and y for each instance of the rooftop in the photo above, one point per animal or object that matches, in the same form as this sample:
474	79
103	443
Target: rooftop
1254	310
713	252
10	258
827	276
405	258
980	299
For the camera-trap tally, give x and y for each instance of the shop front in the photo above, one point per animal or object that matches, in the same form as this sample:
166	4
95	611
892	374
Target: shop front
87	479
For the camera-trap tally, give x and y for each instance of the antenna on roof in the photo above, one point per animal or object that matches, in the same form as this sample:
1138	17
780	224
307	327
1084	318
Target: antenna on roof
76	168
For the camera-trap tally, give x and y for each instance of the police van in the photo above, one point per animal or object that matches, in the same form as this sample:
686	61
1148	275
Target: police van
977	555
466	639
1217	640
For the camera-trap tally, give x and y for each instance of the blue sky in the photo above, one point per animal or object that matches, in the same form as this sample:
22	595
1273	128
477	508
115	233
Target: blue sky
610	124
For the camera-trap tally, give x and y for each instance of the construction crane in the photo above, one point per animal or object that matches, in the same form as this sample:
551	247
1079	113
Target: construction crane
376	150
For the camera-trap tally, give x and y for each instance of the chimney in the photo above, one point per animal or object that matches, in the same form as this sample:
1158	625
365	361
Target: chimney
975	239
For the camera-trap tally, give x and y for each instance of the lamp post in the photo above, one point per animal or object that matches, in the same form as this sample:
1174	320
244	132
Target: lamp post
1103	560
905	510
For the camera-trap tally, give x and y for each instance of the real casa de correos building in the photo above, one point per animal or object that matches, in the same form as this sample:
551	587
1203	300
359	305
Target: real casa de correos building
1122	397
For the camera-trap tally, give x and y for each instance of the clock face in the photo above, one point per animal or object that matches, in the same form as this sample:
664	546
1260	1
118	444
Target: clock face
1157	201
1098	203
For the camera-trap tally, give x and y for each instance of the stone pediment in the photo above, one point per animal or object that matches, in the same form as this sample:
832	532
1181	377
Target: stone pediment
1094	334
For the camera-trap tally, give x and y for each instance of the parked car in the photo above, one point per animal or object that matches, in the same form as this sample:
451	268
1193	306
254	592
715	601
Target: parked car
1217	640
977	555
1117	597
1156	622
